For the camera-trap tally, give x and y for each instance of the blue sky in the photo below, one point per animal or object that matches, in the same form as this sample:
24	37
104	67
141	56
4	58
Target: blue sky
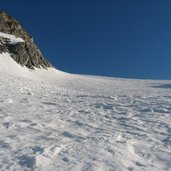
117	38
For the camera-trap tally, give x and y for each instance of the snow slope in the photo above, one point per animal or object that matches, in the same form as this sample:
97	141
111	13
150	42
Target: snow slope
51	120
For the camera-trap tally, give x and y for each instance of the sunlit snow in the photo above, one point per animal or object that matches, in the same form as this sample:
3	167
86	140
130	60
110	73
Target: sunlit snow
13	40
52	121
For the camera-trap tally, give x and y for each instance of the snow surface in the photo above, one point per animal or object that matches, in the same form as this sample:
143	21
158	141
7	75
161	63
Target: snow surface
13	40
52	121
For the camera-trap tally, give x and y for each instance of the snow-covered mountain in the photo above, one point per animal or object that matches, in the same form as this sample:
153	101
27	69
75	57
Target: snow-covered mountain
52	120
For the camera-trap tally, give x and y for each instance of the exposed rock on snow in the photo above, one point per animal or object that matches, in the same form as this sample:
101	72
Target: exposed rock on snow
24	52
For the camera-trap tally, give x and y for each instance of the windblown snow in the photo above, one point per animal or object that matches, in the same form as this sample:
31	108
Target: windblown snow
52	121
13	40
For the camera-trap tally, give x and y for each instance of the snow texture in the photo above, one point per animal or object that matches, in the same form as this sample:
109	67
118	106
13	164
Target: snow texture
13	40
51	120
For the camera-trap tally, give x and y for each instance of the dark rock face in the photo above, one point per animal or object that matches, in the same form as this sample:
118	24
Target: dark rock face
3	48
25	53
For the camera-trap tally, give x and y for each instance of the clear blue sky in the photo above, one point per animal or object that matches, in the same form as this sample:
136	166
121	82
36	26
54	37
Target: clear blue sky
119	38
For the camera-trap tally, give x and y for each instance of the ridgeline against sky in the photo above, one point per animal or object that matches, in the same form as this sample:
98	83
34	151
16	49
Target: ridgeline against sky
113	38
25	52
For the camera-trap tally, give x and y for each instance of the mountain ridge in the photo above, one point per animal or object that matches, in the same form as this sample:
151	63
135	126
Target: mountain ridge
25	53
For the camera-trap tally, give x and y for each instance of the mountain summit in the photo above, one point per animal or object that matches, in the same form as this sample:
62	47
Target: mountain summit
19	44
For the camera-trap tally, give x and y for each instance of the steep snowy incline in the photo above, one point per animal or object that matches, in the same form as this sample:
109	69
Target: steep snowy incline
50	120
61	79
10	67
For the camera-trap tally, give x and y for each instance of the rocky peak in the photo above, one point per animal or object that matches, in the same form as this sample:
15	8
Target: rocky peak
26	53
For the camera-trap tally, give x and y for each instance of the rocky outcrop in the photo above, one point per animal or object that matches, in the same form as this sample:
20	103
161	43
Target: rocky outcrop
3	48
25	53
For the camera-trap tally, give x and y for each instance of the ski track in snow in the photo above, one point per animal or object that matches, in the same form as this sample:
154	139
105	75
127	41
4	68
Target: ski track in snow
87	127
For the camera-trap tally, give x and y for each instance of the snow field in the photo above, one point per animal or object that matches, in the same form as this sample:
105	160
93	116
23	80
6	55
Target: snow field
50	120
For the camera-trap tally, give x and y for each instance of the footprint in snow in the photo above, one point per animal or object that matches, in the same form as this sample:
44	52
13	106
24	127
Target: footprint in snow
49	103
27	161
37	150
